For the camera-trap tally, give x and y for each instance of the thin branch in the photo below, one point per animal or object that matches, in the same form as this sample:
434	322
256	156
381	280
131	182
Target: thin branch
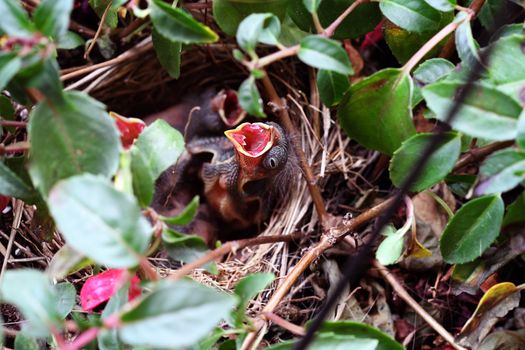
402	292
333	27
19	209
16	124
281	322
480	153
99	30
230	247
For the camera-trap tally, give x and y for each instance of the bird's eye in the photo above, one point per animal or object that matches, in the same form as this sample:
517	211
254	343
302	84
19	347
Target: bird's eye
272	163
275	158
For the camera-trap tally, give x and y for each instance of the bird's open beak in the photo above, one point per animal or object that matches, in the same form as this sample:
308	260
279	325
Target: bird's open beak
226	104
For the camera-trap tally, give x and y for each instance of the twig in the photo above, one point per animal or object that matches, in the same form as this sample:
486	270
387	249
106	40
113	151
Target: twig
281	322
13	123
333	27
19	209
229	247
17	147
99	30
327	240
480	153
77	27
402	292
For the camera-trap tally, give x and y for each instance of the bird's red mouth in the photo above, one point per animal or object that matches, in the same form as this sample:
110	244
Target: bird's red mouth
252	139
226	104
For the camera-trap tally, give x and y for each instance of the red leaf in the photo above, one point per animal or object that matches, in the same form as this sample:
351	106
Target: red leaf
98	289
130	128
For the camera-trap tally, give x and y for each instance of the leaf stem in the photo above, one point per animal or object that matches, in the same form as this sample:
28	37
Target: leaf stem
429	45
330	30
317	23
442	203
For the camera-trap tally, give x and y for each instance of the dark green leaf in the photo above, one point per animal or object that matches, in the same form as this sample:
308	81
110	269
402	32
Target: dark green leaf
65	262
12	185
472	229
10	63
520	132
175	315
178	26
466	46
432	70
186	247
495	12
414	16
249	98
108	339
66	297
362	20
331	86
486	113
70	40
362	330
15	21
377	110
99	6
89	213
51	17
312	5
323	53
515	211
32	293
230	13
24	341
71	139
460	184
442	5
438	165
155	150
331	341
251	285
501	172
168	53
258	27
186	216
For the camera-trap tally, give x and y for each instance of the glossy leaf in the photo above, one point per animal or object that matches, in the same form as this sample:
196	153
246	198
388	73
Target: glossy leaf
88	211
330	341
15	21
442	5
312	5
12	185
157	148
438	165
486	113
51	17
251	285
168	52
178	26
10	63
515	211
323	53
472	229
66	297
108	339
186	216
501	172
391	248
495	12
520	136
175	315
415	16
377	111
362	330
466	46
258	27
70	139
331	86
249	98
432	70
32	293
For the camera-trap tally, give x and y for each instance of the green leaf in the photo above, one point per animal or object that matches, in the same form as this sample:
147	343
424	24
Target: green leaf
186	216
66	298
362	20
65	262
258	27
178	26
12	185
377	110
108	339
515	211
362	330
51	17
168	52
24	341
501	172
89	213
466	46
331	86
486	113
391	248
70	40
330	341
156	149
440	163
428	72
32	293
323	53
251	285
442	5
249	98
312	5
10	63
414	16
175	315
69	139
495	12
472	229
99	6
15	21
185	247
